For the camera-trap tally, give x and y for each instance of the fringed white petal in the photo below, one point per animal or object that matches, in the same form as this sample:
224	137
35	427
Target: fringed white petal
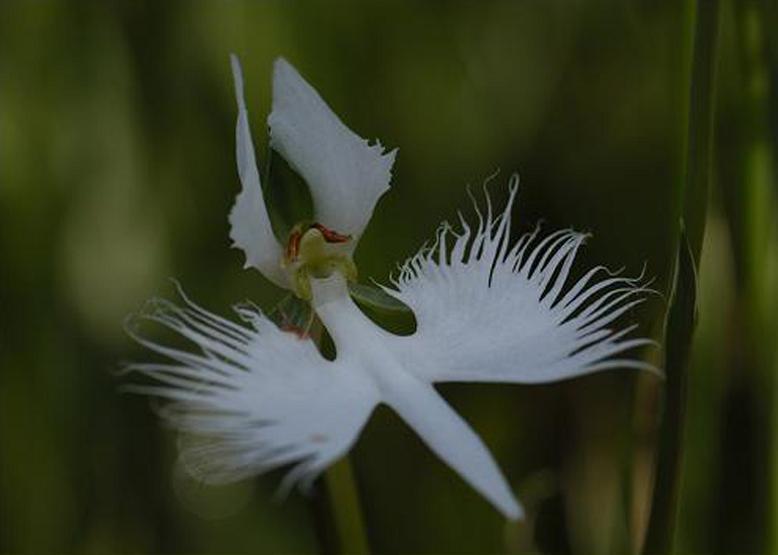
345	173
250	228
251	397
489	309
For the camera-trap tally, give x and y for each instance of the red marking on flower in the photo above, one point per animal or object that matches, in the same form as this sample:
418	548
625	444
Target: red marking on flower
331	236
293	245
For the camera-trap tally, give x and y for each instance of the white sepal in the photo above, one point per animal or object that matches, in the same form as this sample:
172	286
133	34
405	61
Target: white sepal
250	227
251	397
489	309
346	175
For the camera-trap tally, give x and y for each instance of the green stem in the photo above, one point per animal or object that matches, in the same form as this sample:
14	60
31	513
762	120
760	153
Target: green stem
693	196
345	508
699	153
678	336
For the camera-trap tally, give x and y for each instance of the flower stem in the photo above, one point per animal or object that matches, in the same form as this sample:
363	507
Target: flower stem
693	197
345	508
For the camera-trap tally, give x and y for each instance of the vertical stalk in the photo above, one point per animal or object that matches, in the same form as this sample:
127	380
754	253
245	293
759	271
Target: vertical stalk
336	508
679	324
345	509
699	151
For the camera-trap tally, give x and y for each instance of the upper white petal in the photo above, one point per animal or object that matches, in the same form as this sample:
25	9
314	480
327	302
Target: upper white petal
346	174
492	310
252	397
250	227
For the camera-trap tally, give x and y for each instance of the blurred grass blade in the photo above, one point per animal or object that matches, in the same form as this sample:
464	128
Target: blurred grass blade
699	148
679	328
374	297
748	435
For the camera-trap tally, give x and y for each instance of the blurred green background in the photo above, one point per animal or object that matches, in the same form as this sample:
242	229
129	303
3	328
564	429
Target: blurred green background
117	172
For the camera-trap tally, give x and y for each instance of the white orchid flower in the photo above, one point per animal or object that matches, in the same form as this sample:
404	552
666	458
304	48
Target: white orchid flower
488	307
